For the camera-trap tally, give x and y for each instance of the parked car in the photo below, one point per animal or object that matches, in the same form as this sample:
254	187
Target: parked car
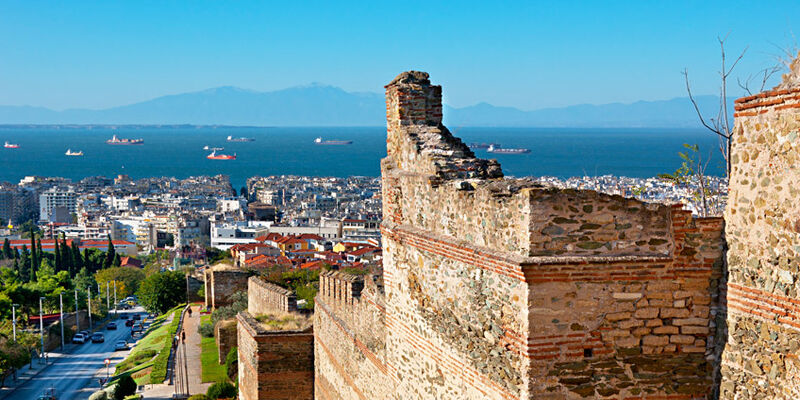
137	328
112	326
79	338
129	322
121	345
124	316
86	333
98	338
136	317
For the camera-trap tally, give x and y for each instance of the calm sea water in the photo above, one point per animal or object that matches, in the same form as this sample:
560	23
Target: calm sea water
277	151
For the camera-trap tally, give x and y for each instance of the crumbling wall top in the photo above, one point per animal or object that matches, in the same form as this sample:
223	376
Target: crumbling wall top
791	79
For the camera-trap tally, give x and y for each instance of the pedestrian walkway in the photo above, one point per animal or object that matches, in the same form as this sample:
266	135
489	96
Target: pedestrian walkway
27	373
194	367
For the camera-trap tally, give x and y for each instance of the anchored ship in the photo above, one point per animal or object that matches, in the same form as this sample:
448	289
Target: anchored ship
215	156
483	145
124	141
240	139
207	147
74	153
332	142
11	145
497	150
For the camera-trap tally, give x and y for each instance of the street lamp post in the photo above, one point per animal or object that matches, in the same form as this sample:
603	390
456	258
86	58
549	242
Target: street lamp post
14	319
41	323
108	302
115	298
77	320
89	304
61	317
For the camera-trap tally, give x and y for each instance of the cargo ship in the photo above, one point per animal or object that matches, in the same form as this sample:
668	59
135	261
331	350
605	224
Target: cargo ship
332	142
215	156
124	141
483	145
11	145
213	148
240	139
497	150
73	153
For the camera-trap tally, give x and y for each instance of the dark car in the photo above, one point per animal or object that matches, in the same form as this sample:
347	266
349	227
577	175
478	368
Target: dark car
111	326
123	316
129	322
98	338
85	333
136	317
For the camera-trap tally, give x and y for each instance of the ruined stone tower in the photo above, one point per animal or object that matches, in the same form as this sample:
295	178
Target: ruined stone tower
497	288
763	233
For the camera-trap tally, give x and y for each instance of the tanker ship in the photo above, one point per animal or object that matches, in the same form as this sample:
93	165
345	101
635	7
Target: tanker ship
332	142
124	141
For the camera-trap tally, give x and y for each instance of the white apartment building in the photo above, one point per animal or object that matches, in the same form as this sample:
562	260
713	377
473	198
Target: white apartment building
57	204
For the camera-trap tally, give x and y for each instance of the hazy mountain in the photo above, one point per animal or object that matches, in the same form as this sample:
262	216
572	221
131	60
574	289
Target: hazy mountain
320	105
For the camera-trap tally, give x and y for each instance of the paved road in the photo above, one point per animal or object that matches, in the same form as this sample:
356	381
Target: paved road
74	374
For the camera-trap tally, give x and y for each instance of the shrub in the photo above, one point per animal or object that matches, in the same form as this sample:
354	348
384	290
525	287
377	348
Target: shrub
221	390
198	397
99	395
135	360
206	329
232	362
125	387
238	303
159	372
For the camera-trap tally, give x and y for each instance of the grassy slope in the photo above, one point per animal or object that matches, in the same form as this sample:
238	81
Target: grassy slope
212	370
154	341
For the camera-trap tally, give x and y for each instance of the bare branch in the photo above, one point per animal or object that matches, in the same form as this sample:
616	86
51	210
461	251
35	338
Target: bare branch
694	103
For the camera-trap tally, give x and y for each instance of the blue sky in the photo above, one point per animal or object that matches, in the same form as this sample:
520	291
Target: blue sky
528	54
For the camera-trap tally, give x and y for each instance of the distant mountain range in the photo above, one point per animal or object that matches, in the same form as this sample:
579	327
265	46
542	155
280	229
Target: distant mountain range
321	105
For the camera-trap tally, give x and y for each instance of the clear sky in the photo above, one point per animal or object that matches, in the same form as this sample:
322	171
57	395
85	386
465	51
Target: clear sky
529	54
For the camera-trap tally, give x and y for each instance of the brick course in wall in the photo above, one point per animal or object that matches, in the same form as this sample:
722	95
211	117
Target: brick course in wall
274	365
760	360
496	288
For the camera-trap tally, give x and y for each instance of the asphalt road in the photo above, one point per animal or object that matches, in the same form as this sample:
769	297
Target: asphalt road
74	374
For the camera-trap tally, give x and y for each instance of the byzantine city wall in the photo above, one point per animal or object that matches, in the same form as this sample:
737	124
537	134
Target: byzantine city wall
762	228
499	288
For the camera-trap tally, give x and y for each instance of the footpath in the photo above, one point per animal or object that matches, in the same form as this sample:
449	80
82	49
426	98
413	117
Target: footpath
27	373
193	364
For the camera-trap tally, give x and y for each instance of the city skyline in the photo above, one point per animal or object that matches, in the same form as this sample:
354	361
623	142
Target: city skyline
528	56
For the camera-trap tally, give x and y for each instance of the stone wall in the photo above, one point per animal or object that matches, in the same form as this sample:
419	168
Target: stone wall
221	282
274	365
263	297
225	336
502	289
349	345
763	233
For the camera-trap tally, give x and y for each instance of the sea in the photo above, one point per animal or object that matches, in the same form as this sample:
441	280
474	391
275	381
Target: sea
178	151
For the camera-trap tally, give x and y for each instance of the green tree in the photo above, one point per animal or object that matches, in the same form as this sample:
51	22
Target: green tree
692	173
110	254
57	255
128	279
27	272
162	291
117	261
77	260
7	249
34	261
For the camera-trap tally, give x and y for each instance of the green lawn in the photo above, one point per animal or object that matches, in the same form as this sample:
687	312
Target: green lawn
212	370
140	361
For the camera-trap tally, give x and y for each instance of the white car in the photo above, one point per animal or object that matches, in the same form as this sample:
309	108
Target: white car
121	345
79	338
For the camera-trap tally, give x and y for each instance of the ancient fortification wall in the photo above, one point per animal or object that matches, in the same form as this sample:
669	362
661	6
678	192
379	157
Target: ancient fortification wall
349	343
762	227
502	289
263	297
222	282
274	365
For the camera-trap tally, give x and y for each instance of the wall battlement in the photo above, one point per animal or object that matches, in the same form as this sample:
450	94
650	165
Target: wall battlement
502	289
264	297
